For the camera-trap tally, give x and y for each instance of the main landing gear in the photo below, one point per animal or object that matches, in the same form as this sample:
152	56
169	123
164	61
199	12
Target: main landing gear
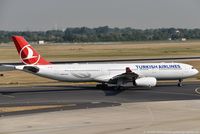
180	84
102	86
105	86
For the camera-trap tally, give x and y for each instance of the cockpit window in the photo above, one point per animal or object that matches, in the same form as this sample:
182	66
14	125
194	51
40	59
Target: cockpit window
193	68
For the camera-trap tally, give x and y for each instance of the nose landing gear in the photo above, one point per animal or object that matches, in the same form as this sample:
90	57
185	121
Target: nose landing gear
180	84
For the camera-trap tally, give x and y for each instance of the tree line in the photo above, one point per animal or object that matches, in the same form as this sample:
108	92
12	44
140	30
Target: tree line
103	34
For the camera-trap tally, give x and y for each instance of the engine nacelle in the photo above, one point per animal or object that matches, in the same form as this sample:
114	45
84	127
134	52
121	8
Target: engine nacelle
146	82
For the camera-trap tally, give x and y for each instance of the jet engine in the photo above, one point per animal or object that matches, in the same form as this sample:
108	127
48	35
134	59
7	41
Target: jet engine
146	82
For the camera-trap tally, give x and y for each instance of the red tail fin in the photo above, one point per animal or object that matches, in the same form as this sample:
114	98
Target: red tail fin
27	53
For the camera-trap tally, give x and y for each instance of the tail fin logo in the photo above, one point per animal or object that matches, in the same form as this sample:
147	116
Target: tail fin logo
29	56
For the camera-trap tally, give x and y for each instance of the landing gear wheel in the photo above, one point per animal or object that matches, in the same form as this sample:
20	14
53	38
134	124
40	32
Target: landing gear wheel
117	88
102	86
98	86
180	84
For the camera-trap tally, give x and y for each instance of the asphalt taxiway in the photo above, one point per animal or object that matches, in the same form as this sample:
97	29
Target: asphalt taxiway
88	96
87	110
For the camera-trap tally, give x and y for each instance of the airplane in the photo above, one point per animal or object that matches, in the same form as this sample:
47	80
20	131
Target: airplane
114	75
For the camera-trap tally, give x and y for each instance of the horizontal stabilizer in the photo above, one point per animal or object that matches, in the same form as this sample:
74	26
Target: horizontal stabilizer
7	67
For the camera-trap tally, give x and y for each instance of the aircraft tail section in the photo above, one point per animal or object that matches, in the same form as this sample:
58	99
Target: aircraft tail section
27	53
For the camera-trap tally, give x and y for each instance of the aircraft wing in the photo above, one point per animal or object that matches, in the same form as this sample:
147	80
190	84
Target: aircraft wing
7	67
127	76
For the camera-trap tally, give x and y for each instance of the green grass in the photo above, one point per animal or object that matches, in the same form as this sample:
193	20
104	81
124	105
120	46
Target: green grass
109	51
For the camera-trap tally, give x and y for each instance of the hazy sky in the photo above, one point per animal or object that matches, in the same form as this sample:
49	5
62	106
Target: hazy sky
49	14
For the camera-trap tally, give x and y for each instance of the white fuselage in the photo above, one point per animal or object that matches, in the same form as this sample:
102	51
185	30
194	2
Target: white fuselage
102	72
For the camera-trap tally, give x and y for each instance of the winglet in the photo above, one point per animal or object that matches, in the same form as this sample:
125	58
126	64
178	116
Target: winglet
27	53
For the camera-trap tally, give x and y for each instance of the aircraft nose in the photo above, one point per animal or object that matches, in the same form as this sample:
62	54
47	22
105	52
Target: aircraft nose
195	71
